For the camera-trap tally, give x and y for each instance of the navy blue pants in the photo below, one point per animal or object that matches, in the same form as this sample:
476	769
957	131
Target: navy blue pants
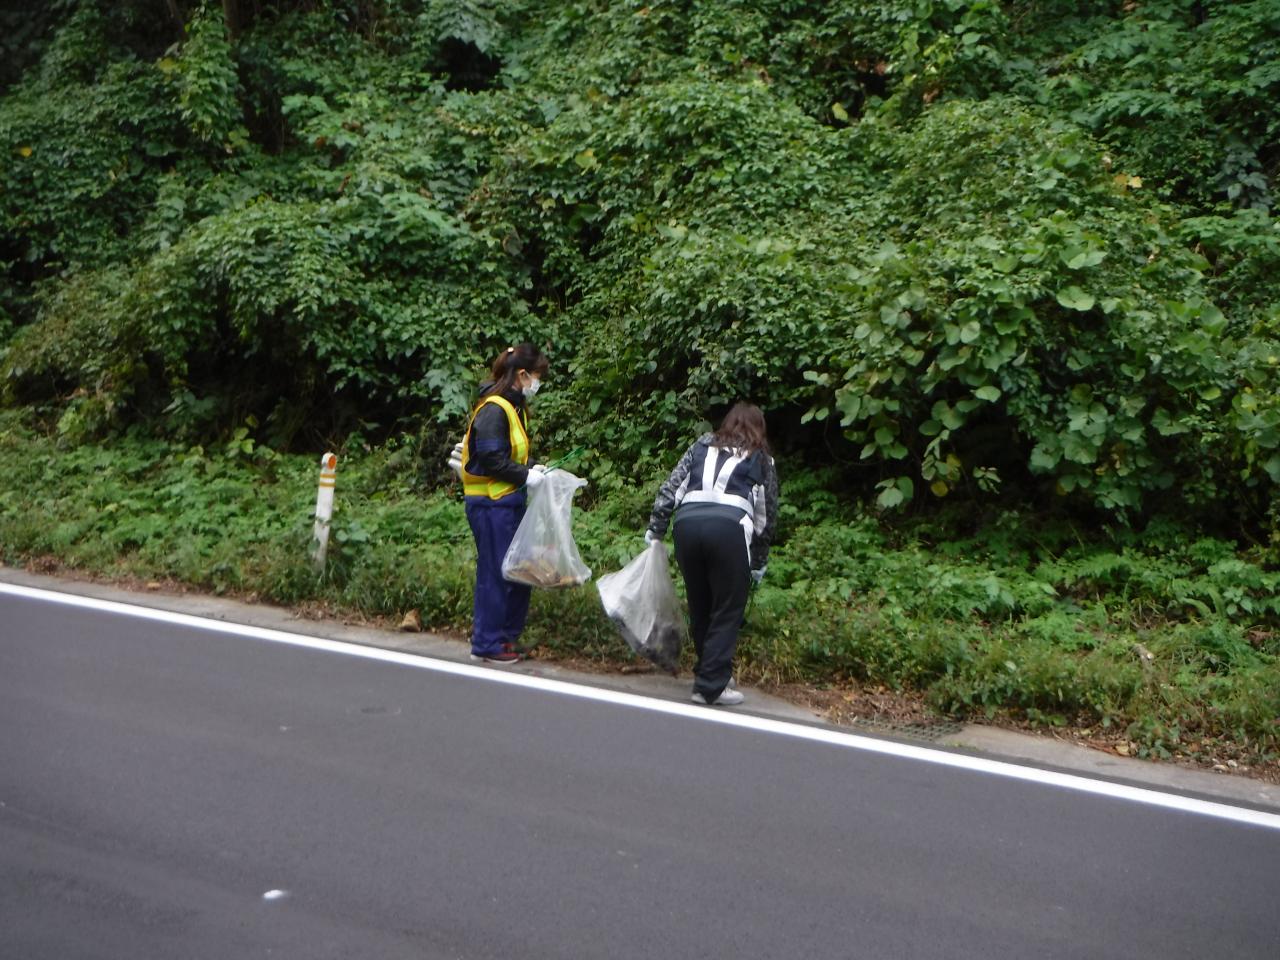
712	554
500	606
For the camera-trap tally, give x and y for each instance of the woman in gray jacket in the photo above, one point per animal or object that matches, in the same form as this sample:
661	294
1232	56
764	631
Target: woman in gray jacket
724	494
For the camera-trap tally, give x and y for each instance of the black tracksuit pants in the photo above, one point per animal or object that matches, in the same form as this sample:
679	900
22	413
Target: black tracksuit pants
712	554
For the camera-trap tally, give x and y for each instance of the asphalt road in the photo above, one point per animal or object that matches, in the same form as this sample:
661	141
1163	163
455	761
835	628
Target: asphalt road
168	792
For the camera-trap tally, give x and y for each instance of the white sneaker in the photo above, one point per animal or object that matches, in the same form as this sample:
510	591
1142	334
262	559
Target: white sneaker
729	697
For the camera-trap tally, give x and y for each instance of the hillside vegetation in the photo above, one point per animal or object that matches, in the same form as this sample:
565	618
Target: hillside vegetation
1004	276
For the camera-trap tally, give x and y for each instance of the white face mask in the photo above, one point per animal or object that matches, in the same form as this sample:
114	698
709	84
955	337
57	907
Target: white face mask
532	388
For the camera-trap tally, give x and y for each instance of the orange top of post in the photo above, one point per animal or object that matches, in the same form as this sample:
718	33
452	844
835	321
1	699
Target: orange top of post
328	465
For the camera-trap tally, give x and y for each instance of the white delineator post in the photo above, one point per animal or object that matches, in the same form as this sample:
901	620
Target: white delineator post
324	508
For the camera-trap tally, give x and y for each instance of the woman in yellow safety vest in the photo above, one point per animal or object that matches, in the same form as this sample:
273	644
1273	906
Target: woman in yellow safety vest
496	473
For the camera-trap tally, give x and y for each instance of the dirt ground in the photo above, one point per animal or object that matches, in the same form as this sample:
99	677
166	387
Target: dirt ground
849	705
896	712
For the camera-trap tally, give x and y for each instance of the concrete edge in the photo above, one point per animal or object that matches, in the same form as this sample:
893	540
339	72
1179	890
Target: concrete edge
994	742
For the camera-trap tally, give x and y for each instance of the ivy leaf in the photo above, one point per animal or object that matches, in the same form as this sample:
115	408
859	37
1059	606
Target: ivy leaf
890	497
988	393
895	492
1167	425
850	406
1073	298
1043	460
1078	259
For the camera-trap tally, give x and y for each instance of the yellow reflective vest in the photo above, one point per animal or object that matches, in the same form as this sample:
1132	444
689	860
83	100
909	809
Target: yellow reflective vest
474	485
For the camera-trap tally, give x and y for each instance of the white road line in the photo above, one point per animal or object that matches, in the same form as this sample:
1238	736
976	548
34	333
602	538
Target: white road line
798	731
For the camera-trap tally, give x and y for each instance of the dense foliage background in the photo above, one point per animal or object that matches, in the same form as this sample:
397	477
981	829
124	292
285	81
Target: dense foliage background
987	265
956	246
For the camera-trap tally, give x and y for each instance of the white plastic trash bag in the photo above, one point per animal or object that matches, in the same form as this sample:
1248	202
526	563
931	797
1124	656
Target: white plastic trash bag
641	601
542	553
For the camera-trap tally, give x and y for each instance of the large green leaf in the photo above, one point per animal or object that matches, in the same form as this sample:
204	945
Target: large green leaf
1073	298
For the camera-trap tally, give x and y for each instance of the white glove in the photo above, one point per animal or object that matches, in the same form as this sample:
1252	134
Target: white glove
455	459
537	474
650	538
758	575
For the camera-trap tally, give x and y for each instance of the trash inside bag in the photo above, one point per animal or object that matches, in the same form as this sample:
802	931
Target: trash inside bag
542	553
641	601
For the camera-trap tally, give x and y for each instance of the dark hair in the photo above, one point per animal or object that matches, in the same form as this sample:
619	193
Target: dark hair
524	356
743	429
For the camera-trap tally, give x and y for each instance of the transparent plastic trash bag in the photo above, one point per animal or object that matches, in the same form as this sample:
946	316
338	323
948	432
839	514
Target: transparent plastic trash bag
641	601
543	553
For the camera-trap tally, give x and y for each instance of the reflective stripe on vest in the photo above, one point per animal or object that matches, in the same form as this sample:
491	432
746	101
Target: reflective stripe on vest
474	485
715	483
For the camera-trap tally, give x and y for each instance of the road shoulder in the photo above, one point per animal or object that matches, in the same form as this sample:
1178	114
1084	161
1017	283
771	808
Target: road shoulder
989	741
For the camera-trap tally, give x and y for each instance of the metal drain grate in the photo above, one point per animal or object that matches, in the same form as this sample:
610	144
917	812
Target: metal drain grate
931	731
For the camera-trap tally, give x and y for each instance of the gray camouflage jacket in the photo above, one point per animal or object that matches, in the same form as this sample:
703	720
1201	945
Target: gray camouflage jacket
760	489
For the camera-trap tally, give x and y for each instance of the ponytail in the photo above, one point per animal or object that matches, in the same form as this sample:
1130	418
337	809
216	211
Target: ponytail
511	361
